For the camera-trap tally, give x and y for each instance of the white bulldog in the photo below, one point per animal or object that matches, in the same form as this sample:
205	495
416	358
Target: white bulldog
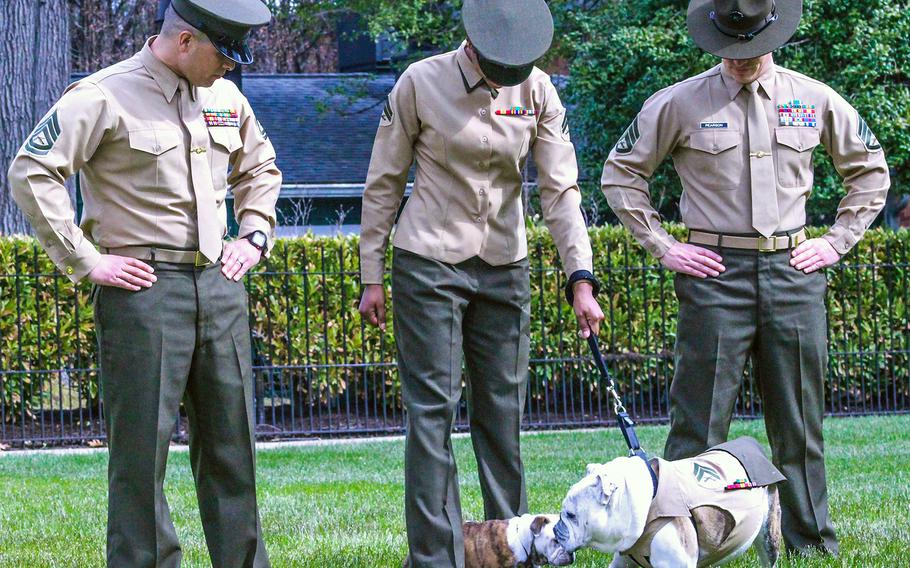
695	519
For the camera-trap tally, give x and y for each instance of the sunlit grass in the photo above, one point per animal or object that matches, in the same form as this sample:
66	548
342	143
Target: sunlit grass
341	505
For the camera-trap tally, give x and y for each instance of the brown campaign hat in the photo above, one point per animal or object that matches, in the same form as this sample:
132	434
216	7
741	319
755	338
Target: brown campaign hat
742	29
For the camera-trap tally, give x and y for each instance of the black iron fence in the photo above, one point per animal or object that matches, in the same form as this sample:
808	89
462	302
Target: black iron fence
321	372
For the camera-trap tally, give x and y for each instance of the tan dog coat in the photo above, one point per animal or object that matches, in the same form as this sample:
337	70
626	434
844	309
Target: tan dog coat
725	520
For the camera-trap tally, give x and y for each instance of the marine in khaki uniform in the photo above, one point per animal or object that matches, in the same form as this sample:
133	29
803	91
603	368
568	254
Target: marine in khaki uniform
460	281
742	136
153	138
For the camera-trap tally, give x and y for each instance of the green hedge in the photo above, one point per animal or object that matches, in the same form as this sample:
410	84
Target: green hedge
304	306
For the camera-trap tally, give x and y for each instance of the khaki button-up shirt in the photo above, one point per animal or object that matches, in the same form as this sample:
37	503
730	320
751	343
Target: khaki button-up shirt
466	199
125	130
701	123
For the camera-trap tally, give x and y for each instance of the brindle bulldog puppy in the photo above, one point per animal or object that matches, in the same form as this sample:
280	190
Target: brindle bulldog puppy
519	542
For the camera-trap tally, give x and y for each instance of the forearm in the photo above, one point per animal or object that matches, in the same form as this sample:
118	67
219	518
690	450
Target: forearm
46	204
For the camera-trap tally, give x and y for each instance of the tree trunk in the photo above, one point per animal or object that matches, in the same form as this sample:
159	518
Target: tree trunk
35	66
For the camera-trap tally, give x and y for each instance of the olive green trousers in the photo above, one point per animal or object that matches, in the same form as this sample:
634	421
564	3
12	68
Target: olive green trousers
442	311
762	308
185	338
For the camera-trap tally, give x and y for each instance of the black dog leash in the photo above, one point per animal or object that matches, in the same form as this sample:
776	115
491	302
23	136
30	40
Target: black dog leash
626	425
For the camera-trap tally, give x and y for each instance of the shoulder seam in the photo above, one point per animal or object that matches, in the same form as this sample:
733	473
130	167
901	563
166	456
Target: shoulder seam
798	75
105	74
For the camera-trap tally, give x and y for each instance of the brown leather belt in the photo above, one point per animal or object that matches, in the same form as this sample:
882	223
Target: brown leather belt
193	257
760	244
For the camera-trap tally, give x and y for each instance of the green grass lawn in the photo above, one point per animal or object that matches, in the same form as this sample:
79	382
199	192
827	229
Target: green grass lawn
341	505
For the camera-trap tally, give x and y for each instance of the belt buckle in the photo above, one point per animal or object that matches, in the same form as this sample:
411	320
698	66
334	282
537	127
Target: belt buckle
763	241
201	261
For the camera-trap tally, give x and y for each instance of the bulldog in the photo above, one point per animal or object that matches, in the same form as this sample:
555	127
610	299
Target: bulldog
694	512
519	542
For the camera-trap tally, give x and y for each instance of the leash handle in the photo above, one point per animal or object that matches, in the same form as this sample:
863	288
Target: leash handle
599	359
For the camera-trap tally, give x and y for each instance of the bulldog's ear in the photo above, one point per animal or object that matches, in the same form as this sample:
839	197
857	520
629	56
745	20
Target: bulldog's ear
538	524
606	488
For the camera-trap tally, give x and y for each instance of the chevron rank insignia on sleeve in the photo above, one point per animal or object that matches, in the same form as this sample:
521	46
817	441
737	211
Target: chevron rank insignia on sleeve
387	114
865	134
45	135
565	125
629	138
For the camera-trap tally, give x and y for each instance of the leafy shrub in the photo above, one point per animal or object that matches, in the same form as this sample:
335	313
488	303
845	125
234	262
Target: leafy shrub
305	321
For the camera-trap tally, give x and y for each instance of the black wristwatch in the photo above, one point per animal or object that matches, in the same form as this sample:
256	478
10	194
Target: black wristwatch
577	276
258	240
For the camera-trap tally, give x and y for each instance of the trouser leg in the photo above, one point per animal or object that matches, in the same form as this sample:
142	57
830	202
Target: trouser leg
428	303
146	343
715	332
222	437
496	346
791	358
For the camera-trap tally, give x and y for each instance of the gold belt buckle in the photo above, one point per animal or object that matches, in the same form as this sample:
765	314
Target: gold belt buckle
201	260
763	241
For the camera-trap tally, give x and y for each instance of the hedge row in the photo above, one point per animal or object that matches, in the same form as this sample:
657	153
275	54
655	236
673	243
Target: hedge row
304	316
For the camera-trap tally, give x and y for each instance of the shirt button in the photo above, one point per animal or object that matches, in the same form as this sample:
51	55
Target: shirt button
483	191
484	139
478	219
483	112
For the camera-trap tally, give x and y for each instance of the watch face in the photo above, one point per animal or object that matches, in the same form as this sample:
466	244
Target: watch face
257	239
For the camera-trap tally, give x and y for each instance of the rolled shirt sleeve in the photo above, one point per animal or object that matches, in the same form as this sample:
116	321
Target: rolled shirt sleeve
393	154
560	197
64	140
860	160
631	163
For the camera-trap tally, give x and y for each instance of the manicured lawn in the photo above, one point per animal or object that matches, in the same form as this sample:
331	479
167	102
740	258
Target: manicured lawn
341	505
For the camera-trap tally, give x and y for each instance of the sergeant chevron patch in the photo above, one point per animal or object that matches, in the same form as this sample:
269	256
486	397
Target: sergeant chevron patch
387	113
865	134
704	474
44	136
629	138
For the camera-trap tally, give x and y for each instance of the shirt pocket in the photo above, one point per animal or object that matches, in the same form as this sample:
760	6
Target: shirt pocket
794	155
154	141
225	141
716	156
155	158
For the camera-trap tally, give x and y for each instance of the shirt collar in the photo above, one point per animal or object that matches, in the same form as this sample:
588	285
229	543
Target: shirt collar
469	74
766	80
166	78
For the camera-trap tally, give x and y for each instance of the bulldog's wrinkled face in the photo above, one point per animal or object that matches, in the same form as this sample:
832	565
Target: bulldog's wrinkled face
546	549
585	519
